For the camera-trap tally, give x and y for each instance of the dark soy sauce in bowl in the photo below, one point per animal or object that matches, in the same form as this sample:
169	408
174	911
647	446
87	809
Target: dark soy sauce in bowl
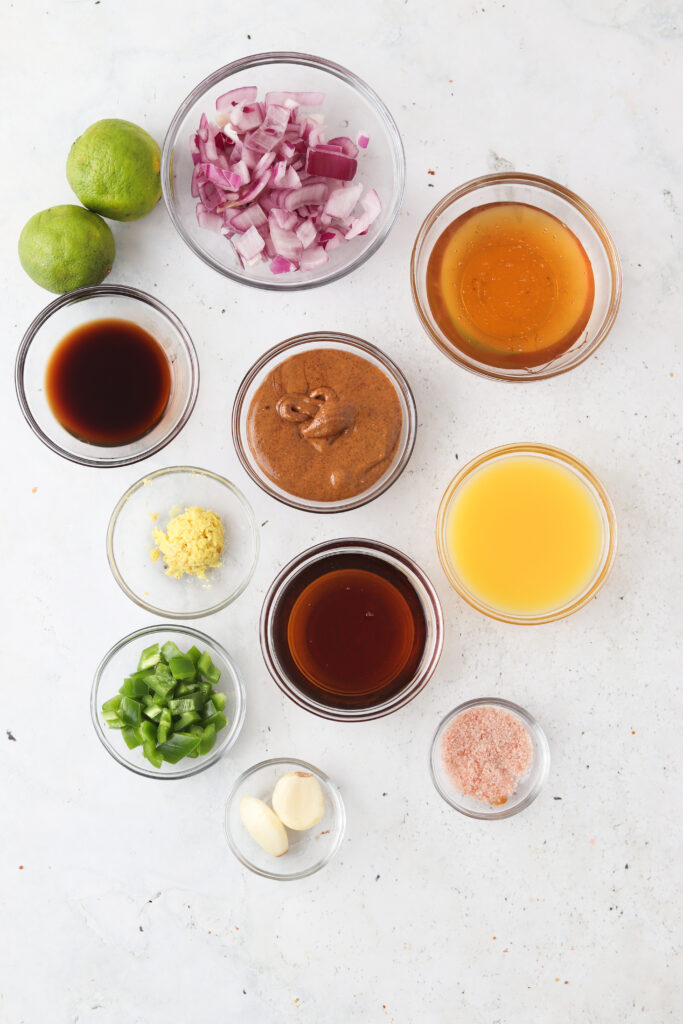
108	382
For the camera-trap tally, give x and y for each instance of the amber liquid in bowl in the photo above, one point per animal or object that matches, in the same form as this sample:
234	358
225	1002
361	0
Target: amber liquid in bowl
350	631
510	285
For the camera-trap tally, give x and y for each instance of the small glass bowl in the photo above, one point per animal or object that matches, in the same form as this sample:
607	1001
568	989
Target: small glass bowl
421	585
602	502
350	106
80	307
165	493
561	203
529	787
306	343
309	851
122	659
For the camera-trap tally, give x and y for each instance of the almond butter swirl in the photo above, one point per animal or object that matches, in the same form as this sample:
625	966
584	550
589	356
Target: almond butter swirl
325	425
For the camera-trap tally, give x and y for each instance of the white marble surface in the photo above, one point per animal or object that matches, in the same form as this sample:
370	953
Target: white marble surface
121	903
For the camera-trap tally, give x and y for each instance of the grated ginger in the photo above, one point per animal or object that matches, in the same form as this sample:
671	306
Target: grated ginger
193	543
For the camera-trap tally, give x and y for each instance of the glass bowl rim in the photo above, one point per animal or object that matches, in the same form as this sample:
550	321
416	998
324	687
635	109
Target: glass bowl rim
548	370
433	615
585	474
120	505
340	817
307	60
218	751
91	292
397	379
533	727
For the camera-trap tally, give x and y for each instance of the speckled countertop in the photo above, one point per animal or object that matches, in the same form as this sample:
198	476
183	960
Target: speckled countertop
121	903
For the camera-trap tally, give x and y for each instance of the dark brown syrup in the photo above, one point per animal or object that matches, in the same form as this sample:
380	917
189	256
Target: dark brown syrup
350	631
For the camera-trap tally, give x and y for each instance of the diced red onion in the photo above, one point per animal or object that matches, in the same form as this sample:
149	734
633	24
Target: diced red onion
313	258
250	244
282	266
345	145
331	165
306	232
245	94
267	179
371	211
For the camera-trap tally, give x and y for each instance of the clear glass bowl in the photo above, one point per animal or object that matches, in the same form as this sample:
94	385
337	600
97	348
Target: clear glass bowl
306	343
529	787
309	851
82	306
561	203
165	493
420	583
602	503
123	658
350	107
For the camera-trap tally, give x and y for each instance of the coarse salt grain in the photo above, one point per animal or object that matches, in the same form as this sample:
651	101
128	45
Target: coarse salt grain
485	752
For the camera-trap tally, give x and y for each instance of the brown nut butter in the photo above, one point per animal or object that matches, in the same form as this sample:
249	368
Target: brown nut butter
325	425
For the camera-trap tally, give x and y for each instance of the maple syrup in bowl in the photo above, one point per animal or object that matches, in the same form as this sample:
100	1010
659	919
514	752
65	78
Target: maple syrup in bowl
106	376
515	277
351	629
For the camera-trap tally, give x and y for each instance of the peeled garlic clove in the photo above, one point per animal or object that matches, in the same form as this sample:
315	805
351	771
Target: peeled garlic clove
298	800
263	825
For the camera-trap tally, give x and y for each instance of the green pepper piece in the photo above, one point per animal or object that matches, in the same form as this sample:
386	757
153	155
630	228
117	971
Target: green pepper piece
193	702
162	687
218	720
182	689
133	688
170	650
208	739
188	718
207	668
132	737
178	746
112	719
165	726
148	732
149	657
182	667
194	753
209	709
112	704
194	653
152	754
154	711
130	711
219	700
162	671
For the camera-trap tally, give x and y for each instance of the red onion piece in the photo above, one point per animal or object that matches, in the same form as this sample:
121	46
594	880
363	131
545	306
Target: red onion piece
285	242
331	165
363	140
312	258
245	94
281	266
345	144
250	244
268	135
371	211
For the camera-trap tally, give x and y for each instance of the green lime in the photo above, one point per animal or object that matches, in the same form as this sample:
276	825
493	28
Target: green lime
114	169
66	247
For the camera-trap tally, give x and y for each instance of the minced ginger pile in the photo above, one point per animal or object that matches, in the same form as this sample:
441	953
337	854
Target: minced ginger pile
193	543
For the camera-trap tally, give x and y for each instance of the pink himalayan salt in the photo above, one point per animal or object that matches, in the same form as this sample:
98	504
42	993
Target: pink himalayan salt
485	753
